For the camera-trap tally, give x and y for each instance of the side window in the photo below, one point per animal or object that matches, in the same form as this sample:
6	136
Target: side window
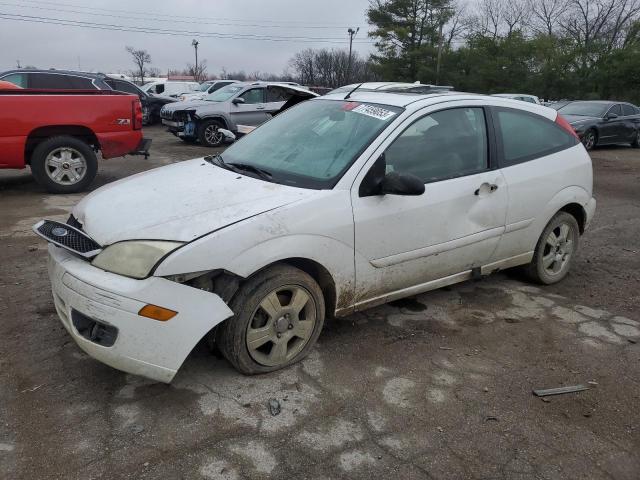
277	94
628	110
49	80
158	88
254	95
125	87
81	83
615	109
526	136
19	79
445	144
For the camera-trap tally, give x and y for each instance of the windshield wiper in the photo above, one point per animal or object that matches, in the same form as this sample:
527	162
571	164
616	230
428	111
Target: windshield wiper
263	174
218	161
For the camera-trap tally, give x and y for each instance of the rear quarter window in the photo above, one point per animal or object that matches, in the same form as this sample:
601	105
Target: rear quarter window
524	136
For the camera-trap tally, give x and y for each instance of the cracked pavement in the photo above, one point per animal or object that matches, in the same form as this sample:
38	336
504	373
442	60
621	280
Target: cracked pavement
437	386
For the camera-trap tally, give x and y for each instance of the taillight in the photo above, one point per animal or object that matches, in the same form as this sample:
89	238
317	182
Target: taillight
562	123
136	114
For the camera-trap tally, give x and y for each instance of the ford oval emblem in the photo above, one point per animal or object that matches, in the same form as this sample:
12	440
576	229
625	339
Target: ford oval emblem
60	232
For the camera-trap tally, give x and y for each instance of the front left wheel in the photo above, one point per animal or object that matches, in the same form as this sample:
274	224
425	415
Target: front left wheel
279	314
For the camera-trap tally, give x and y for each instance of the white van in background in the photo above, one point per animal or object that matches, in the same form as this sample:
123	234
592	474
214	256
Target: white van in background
171	88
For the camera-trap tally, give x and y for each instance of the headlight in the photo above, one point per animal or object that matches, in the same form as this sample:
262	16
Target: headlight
134	258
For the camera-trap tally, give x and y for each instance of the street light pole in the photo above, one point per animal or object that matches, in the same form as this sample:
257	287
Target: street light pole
352	33
195	46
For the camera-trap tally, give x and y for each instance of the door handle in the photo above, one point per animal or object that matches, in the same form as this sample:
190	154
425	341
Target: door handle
486	187
260	107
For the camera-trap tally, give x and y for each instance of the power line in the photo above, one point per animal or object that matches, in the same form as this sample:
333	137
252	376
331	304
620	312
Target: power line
147	15
147	18
159	31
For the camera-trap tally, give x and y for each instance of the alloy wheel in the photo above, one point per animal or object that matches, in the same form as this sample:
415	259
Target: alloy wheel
213	135
65	166
281	325
589	140
558	249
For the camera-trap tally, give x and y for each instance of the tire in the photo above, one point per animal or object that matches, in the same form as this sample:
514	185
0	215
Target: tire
566	232
208	133
64	164
590	139
275	335
636	140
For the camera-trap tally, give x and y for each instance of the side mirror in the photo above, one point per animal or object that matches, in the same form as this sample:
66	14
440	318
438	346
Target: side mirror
611	116
238	101
378	182
395	183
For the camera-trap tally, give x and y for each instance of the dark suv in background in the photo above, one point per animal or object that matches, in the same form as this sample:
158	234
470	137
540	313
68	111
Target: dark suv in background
71	80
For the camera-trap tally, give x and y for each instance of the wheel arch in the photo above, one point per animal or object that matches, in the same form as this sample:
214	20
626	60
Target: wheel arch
40	134
218	117
578	212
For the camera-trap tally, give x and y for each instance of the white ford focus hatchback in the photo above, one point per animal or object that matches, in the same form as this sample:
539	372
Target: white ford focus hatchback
340	203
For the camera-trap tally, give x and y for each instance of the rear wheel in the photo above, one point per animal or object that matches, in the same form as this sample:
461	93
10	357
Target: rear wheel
64	164
279	314
209	133
636	140
590	139
555	250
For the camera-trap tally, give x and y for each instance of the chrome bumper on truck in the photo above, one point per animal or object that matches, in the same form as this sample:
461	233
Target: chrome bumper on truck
101	311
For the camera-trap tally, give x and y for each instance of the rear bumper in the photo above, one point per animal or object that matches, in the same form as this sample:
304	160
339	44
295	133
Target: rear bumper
86	297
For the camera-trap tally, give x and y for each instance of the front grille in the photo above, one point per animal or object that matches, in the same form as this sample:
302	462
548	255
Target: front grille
68	236
167	115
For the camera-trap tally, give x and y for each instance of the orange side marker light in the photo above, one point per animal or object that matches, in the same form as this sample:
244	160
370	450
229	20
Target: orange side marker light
157	313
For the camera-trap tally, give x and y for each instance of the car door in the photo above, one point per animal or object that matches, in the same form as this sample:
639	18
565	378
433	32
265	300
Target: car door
405	241
631	122
276	98
535	166
253	111
612	129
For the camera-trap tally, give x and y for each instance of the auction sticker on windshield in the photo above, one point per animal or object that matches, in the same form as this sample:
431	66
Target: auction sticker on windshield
375	112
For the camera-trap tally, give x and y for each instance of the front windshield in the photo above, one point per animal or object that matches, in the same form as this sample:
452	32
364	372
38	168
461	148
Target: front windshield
585	109
313	144
223	94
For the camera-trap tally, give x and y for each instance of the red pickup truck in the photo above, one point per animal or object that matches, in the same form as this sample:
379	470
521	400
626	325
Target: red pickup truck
58	133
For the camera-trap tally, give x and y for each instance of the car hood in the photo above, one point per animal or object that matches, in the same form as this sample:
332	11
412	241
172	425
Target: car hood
180	202
576	119
189	105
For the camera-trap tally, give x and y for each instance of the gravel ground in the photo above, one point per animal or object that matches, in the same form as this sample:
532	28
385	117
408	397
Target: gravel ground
437	386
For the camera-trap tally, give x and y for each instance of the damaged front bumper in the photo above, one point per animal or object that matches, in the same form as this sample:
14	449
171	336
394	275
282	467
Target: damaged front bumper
100	311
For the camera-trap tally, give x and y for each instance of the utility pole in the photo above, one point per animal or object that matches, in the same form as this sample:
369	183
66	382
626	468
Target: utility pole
195	46
441	41
352	33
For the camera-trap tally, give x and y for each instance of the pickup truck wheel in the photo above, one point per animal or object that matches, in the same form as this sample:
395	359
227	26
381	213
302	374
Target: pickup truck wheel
555	250
209	134
64	164
279	314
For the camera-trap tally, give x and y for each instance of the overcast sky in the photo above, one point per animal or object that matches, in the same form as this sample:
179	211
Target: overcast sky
46	45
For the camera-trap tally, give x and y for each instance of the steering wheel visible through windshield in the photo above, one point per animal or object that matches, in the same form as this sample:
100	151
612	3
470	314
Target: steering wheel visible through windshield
312	144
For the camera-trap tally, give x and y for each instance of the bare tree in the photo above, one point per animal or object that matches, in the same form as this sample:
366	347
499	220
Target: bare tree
141	58
515	14
546	15
198	73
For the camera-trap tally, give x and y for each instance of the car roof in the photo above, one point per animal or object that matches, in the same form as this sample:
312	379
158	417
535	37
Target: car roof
508	95
414	101
60	72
